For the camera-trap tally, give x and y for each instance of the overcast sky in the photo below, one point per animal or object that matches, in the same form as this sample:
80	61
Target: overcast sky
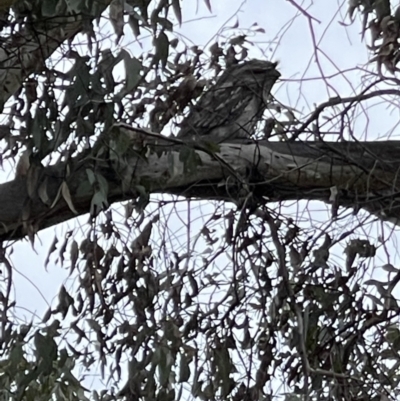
287	39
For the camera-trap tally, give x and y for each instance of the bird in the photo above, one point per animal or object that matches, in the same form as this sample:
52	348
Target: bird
231	108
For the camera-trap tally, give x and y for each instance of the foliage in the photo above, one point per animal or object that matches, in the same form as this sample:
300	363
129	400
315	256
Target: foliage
245	300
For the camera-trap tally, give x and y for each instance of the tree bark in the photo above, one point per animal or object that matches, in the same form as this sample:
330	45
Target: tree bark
358	175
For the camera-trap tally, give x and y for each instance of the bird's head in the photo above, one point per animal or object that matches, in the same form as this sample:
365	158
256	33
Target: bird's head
257	69
257	75
254	74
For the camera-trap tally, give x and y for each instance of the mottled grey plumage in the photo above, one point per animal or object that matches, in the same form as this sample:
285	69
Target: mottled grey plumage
231	108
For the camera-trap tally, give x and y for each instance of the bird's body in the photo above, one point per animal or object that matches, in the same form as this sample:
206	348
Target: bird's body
231	108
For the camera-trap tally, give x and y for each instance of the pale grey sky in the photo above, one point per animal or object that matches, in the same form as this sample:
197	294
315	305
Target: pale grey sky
288	40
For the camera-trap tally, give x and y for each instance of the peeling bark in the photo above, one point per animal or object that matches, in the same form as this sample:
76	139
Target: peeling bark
274	171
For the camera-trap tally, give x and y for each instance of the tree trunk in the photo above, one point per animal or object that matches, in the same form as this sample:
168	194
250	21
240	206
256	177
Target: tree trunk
344	174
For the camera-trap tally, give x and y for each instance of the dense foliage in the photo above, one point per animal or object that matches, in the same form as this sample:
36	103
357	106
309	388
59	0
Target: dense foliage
176	298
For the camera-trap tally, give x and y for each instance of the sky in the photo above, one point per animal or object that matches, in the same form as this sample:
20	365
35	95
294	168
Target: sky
290	38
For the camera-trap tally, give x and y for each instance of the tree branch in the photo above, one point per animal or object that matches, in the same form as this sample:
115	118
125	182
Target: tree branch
348	174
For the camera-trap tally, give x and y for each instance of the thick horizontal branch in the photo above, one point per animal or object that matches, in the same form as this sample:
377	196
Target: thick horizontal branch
360	175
